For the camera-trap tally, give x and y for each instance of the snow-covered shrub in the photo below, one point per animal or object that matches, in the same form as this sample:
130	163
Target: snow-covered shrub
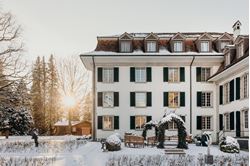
113	142
229	145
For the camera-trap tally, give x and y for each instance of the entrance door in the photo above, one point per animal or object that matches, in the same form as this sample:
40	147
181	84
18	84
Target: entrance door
237	123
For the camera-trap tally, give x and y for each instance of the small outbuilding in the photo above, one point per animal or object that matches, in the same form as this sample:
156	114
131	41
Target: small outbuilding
78	127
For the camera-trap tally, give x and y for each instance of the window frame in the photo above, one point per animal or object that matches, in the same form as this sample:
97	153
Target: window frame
169	100
103	99
122	42
151	42
206	99
208	46
136	78
226	93
137	106
223	43
176	46
112	122
178	74
204	73
204	120
227	121
141	126
244	87
109	74
246	119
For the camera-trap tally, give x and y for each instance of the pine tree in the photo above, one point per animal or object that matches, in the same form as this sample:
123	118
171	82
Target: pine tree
44	80
37	100
53	93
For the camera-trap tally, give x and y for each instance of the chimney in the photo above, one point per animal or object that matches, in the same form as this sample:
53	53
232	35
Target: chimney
236	29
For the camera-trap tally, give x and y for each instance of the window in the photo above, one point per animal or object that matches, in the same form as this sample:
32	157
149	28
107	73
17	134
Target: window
227	122
108	122
172	125
178	46
108	99
227	59
140	99
140	122
140	74
240	50
173	99
173	74
108	75
151	46
125	46
246	119
223	44
205	74
206	122
244	85
226	93
206	99
204	46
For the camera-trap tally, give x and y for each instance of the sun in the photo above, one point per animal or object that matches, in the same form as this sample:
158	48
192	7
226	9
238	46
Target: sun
69	101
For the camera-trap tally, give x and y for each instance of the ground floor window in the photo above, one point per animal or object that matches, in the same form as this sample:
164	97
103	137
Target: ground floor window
140	122
108	122
206	122
227	122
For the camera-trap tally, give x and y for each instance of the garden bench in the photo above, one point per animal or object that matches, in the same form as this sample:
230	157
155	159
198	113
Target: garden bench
135	140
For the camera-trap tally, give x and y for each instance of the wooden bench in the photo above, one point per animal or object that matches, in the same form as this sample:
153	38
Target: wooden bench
136	141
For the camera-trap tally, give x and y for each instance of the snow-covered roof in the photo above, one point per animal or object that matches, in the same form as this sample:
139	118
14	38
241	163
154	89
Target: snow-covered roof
66	123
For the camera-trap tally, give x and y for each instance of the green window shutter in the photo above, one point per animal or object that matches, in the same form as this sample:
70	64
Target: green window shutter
232	121
165	74
237	88
198	123
116	99
149	118
99	121
116	122
132	74
182	74
149	99
221	94
149	74
132	122
99	74
198	74
182	99
232	90
132	99
116	74
99	98
199	99
165	99
221	121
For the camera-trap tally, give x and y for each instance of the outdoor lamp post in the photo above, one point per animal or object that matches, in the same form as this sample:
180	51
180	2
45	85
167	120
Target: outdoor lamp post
69	102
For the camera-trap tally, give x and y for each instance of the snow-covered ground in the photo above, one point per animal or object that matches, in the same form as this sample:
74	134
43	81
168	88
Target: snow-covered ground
67	151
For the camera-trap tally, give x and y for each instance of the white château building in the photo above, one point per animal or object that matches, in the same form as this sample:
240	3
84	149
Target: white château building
201	76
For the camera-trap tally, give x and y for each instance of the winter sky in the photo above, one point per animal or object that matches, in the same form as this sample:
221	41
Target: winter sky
70	27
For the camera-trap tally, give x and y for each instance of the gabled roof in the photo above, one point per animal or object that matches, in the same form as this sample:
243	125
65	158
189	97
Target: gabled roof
225	36
205	36
151	36
240	37
178	36
126	36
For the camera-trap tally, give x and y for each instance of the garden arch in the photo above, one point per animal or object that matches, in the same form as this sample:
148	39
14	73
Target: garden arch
148	126
163	124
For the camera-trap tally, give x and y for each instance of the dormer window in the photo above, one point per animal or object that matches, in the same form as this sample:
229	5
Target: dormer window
178	46
151	46
223	44
204	46
125	46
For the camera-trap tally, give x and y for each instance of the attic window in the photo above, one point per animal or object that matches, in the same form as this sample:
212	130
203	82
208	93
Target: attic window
223	44
151	46
178	46
125	46
204	46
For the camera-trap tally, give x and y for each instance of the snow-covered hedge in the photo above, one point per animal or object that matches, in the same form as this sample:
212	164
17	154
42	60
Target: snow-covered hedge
38	161
229	145
113	142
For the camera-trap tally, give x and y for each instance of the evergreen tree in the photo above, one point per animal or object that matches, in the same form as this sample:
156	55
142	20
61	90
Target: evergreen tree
44	80
53	93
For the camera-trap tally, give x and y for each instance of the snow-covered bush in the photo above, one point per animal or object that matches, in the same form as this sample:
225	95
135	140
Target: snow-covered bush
229	145
113	142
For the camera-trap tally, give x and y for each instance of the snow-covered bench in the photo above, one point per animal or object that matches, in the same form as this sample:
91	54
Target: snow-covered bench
136	141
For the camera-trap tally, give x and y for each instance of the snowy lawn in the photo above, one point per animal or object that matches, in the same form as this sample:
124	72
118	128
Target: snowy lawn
67	151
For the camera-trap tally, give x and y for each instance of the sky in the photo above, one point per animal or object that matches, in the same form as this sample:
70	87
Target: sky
70	27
